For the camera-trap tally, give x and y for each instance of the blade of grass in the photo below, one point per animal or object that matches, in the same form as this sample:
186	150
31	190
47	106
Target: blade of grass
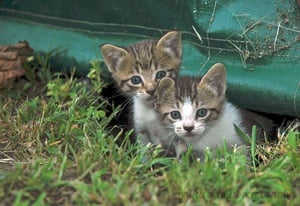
253	146
292	139
241	134
63	164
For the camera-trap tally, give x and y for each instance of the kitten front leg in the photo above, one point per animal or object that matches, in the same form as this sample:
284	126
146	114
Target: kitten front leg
144	136
146	145
180	147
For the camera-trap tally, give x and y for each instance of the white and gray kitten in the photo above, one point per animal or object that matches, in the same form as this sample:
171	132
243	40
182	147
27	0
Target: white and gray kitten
194	111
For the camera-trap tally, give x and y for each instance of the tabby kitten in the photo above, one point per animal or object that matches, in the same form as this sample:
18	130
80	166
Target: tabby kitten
194	111
137	69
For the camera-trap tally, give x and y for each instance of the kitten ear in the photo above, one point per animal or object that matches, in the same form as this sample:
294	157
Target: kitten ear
171	44
215	80
165	89
112	55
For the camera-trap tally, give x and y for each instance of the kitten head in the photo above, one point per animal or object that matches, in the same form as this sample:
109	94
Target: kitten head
189	103
138	68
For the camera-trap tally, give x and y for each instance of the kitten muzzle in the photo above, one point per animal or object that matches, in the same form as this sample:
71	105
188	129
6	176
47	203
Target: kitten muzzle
150	88
151	92
188	128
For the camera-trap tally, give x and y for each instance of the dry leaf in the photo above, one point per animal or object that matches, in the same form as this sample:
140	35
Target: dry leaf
12	58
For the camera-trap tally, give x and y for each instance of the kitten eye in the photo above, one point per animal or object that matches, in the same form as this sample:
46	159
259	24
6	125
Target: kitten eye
160	74
136	80
201	112
175	115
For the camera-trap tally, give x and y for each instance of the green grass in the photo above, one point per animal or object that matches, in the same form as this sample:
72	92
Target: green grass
56	148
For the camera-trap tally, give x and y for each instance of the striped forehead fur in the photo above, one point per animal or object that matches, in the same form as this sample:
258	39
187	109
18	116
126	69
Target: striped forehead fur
186	86
143	52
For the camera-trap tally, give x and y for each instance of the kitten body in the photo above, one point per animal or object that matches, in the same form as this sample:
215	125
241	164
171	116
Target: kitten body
137	69
195	112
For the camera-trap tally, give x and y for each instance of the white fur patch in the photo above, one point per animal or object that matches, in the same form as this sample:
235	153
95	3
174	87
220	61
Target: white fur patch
221	129
187	108
188	117
147	120
143	113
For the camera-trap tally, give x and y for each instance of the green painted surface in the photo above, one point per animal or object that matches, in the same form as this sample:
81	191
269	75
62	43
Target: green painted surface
258	44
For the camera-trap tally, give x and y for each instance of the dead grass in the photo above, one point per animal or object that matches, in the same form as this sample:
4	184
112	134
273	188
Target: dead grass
57	149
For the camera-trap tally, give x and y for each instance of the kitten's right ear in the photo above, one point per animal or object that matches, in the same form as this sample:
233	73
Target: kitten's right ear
171	44
215	80
165	89
112	55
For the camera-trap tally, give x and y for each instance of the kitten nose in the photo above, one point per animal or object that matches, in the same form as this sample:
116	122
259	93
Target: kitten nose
150	88
188	128
151	91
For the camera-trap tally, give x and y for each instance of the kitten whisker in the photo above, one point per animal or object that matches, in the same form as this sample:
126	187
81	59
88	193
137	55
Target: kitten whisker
212	130
162	127
214	137
165	137
115	96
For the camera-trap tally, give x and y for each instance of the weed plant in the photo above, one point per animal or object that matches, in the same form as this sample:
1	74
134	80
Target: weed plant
57	148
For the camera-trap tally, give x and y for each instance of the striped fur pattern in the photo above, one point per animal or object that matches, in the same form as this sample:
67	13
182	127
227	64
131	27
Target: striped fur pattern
194	111
137	69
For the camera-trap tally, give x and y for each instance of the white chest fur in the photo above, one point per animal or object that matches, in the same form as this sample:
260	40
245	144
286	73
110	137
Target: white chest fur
143	113
146	122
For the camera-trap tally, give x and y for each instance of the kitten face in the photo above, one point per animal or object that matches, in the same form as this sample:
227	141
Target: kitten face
138	68
188	104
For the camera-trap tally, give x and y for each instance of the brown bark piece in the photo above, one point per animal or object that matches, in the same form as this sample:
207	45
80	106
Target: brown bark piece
12	58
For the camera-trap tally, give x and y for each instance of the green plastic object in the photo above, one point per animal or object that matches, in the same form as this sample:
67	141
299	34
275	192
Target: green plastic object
258	41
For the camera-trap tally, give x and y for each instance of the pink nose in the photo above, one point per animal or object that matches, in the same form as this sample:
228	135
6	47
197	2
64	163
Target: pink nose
150	88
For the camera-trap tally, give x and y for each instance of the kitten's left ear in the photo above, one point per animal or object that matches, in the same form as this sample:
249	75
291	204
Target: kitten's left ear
171	44
165	89
113	55
215	80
